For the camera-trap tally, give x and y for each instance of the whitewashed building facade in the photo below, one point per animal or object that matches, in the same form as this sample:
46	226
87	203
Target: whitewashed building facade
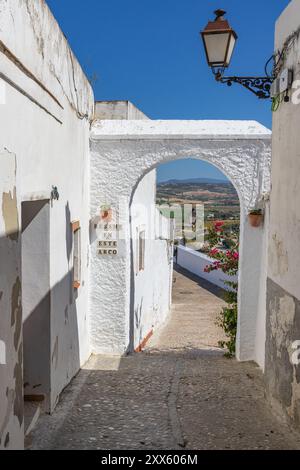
47	107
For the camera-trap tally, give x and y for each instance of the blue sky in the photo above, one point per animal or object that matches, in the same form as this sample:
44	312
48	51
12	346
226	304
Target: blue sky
149	52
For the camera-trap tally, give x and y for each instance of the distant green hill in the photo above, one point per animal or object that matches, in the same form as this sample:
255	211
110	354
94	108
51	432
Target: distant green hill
193	181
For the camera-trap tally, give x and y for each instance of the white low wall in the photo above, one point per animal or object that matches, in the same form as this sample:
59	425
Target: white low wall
196	262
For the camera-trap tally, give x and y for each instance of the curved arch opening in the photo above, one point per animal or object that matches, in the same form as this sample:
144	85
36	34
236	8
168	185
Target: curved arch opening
122	157
208	194
161	161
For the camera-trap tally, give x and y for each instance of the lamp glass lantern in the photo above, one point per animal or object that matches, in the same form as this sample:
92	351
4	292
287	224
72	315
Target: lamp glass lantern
219	41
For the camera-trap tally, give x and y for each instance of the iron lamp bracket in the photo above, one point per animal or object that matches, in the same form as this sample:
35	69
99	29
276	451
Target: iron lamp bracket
259	86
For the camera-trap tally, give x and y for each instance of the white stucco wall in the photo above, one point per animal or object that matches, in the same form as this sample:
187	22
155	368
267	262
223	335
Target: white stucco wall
152	285
148	292
123	152
196	263
284	259
11	379
118	110
44	124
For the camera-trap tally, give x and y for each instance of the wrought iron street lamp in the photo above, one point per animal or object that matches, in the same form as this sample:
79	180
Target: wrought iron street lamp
219	41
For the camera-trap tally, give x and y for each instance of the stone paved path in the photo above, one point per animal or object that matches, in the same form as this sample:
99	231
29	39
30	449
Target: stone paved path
180	393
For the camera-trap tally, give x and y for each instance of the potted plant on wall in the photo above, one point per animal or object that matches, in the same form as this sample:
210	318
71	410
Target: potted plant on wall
255	217
106	213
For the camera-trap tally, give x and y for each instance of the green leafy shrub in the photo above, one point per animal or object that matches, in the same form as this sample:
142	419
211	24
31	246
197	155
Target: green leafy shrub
228	262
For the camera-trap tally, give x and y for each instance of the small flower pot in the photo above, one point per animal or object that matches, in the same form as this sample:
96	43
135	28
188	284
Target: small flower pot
106	215
255	220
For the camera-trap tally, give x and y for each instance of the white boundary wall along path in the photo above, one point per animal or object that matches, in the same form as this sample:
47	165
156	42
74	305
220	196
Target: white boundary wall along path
122	153
196	263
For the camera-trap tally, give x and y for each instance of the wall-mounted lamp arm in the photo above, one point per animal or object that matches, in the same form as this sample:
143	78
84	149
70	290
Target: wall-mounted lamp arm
259	86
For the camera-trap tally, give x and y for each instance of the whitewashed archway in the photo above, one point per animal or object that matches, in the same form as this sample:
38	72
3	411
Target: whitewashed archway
122	152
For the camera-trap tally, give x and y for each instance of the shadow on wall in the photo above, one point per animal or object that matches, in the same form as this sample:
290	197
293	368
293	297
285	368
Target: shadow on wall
69	240
52	357
50	331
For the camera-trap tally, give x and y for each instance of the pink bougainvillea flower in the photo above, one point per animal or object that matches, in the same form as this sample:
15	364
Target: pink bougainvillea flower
214	252
235	255
218	226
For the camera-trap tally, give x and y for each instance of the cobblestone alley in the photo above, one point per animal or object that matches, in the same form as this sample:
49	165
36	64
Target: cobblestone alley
179	393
